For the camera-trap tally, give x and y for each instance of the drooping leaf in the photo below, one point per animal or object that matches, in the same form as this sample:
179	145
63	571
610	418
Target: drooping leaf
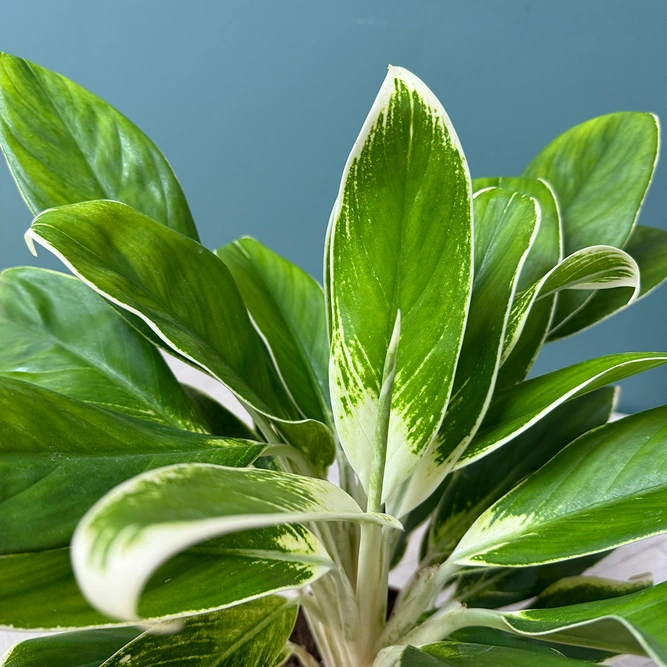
505	225
458	654
607	488
515	409
59	455
629	624
648	247
287	306
502	586
39	591
471	490
600	171
248	635
65	145
71	649
218	419
178	506
575	590
188	298
400	239
59	334
598	267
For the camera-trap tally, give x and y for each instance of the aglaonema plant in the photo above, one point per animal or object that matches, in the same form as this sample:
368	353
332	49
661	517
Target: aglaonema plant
156	528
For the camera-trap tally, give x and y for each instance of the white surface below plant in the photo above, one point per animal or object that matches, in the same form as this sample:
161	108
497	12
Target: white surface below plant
635	559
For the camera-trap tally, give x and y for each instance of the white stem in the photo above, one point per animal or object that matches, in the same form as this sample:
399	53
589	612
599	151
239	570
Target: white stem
304	657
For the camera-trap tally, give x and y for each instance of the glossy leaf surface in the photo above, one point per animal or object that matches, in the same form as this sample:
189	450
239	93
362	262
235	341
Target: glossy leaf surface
178	506
59	455
185	294
648	247
251	635
65	145
606	489
57	333
40	591
505	225
515	409
400	239
71	649
287	306
575	590
471	490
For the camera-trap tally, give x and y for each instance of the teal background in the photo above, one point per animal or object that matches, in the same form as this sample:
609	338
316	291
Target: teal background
257	104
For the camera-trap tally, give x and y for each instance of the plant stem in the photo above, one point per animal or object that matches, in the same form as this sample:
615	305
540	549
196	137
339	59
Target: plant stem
304	657
373	568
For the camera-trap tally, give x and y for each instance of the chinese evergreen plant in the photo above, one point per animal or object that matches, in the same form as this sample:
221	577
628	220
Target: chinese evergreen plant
144	518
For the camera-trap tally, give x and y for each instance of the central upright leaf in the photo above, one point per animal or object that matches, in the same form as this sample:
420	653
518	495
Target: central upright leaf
400	239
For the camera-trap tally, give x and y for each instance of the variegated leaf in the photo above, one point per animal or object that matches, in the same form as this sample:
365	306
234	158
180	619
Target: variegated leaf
517	408
186	296
607	488
506	224
400	240
141	524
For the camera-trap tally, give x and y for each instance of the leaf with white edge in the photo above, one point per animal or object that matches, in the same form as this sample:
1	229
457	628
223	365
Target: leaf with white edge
575	590
459	654
494	587
597	267
632	623
506	223
59	455
606	489
648	247
471	490
251	635
188	298
287	306
71	649
142	523
39	591
400	239
65	145
60	334
517	408
600	171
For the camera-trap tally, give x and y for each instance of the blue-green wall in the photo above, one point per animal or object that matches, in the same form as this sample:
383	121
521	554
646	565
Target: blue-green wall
257	103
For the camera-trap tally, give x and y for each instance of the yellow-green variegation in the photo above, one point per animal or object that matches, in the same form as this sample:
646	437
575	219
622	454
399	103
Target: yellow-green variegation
161	528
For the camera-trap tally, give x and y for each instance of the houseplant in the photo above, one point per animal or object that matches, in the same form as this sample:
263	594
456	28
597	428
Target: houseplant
143	517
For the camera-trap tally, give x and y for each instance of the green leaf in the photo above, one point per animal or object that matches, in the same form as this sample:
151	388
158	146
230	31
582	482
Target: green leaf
607	488
170	509
65	145
458	654
600	171
59	455
517	408
630	624
218	419
597	267
400	238
502	586
188	298
505	226
248	635
59	334
71	649
575	590
545	253
648	247
39	591
287	306
471	490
